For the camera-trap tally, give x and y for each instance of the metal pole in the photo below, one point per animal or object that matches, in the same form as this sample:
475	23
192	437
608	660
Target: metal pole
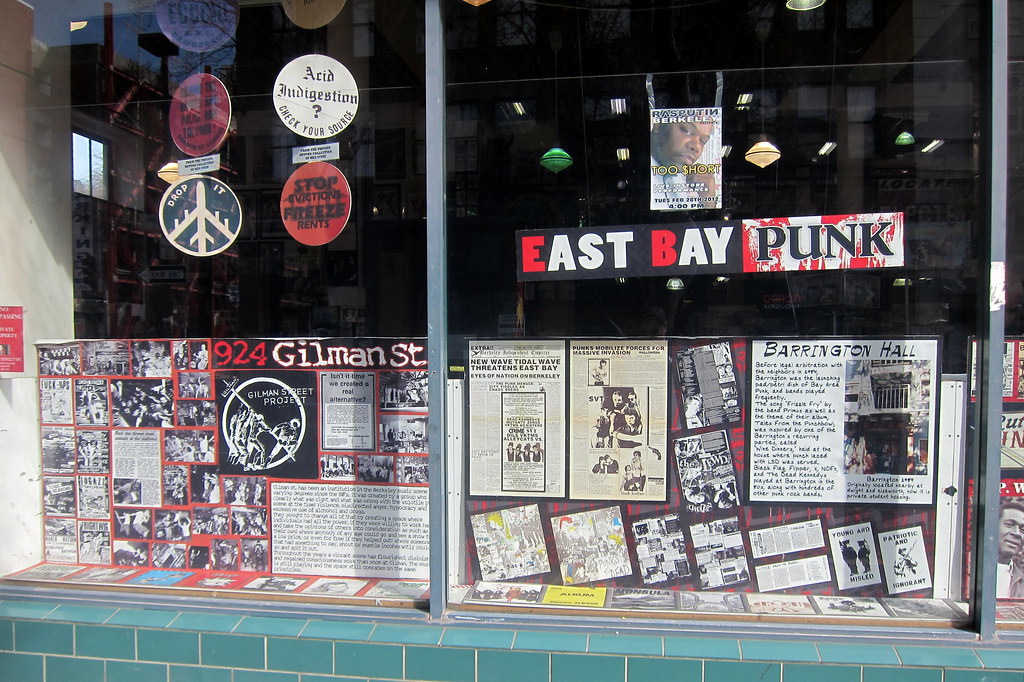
437	299
991	305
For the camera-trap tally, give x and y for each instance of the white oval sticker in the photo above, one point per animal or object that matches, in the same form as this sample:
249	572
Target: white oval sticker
316	96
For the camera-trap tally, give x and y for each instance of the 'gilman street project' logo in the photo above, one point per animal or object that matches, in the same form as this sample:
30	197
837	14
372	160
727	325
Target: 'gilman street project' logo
200	215
263	422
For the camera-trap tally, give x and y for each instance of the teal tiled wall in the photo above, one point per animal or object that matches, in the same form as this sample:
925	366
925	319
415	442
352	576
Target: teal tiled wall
51	642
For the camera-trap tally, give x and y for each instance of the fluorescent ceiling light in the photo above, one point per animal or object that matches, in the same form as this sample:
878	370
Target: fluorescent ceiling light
827	148
932	146
726	150
622	153
519	108
618	105
745	98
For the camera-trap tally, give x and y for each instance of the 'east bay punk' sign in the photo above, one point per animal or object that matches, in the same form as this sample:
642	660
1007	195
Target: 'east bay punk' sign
836	242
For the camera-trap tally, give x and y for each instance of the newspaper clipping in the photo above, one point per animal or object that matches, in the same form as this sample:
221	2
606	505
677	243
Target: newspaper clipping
618	397
843	420
710	391
718	549
136	472
793	537
347	418
661	549
787	574
516	418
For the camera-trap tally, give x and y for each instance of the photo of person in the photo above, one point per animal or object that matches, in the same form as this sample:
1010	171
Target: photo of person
686	159
619	422
1010	561
598	371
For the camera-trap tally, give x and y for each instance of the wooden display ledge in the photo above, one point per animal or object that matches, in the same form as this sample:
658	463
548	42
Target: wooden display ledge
313	589
744	607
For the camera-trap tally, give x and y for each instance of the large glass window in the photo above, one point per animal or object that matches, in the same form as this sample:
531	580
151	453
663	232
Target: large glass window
240	188
693	386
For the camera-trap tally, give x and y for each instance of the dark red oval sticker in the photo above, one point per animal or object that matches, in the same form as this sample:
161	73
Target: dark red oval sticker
200	114
316	203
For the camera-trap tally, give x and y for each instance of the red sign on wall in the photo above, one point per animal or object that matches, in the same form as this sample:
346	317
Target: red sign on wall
12	338
315	203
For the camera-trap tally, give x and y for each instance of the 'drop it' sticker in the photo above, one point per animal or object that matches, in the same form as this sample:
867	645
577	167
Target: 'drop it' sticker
200	114
200	215
316	96
316	203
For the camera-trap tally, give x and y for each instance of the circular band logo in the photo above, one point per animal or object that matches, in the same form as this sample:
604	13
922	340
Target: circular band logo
316	203
316	96
200	114
263	423
197	25
200	215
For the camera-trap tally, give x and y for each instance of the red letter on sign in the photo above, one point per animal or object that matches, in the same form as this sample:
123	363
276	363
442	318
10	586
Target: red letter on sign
531	254
662	248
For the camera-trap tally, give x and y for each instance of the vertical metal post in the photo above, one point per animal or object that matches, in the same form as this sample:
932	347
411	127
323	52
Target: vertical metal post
991	303
437	299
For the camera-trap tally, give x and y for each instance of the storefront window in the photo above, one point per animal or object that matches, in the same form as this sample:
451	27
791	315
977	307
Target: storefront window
703	380
713	275
243	404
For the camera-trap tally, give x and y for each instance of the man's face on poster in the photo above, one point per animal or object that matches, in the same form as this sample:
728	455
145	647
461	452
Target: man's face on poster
680	144
1011	533
616	399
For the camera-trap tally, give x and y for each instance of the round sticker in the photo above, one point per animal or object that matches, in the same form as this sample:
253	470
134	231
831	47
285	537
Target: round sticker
197	25
200	114
316	203
200	215
312	13
316	96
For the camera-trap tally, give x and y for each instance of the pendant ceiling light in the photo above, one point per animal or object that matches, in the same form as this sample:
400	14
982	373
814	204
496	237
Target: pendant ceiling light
800	5
556	160
904	139
476	3
762	154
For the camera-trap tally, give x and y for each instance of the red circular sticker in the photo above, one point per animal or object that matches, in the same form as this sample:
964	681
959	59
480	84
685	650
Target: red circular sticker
200	114
316	203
